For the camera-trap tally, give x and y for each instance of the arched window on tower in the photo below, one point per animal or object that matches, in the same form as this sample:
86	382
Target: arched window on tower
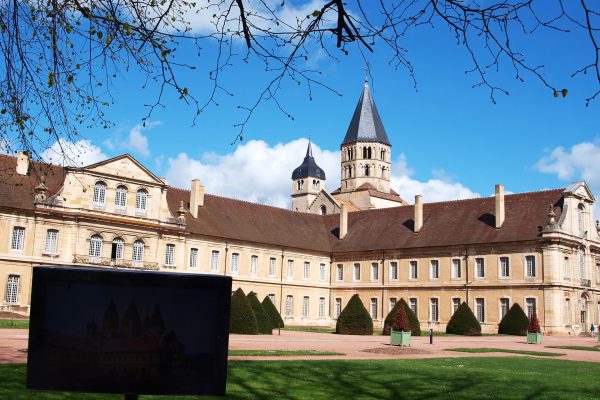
369	155
367	170
323	210
300	184
315	184
350	172
382	155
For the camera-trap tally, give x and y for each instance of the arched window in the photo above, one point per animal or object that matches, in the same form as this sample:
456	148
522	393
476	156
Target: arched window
121	196
95	246
323	210
301	185
99	194
364	152
382	155
118	245
350	172
366	170
581	218
315	184
138	251
141	200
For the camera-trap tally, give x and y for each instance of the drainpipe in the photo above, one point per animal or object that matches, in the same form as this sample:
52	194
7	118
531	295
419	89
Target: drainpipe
382	287
281	282
467	275
226	254
544	290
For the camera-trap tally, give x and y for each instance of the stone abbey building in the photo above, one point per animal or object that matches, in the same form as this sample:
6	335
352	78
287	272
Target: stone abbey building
538	249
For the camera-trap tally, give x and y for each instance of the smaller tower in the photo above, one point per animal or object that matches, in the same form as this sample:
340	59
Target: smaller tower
308	180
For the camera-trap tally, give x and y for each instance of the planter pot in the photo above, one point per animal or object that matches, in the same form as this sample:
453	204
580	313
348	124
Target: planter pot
534	338
399	338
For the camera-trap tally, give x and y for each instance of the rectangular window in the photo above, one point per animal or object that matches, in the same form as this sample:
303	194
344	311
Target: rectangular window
357	272
340	272
456	269
306	270
374	308
480	310
305	306
374	271
567	268
581	265
455	304
289	305
253	265
214	260
321	307
479	268
434	266
170	255
393	302
567	312
504	267
272	298
51	242
394	271
235	263
531	306
504	307
412	302
322	272
435	310
338	307
12	289
290	269
272	263
530	266
193	258
18	238
413	270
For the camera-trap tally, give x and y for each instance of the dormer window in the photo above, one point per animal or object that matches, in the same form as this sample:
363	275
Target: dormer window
141	201
121	197
99	195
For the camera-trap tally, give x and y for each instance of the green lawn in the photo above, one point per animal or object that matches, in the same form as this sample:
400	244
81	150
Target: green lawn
493	350
14	323
281	353
460	378
586	348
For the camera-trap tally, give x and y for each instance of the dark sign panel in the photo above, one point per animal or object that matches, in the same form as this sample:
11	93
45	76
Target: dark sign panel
95	330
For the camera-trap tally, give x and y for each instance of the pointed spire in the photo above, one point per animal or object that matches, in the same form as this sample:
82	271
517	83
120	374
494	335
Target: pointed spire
366	125
309	167
309	149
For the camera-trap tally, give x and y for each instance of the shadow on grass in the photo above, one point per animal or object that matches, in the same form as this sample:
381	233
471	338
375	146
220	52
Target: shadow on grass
462	378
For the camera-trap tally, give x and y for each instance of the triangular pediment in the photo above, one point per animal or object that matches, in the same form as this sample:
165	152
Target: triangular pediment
580	190
123	166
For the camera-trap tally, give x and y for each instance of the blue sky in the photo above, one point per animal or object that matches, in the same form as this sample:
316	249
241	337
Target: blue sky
449	140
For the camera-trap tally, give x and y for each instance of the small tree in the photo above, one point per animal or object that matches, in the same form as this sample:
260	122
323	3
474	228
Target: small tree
463	322
262	318
534	325
242	319
515	322
354	319
415	325
401	321
274	316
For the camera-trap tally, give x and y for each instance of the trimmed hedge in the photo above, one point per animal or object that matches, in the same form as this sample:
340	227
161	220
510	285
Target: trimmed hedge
263	319
464	322
515	322
354	319
415	325
242	319
275	317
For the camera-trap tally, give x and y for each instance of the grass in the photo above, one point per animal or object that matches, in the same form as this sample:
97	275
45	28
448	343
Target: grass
462	378
586	348
14	323
281	353
493	350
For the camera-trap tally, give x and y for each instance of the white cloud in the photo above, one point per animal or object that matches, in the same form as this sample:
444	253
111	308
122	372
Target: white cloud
135	141
261	173
75	154
582	161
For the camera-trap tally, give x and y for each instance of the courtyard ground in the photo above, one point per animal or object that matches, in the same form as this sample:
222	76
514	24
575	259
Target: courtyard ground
13	345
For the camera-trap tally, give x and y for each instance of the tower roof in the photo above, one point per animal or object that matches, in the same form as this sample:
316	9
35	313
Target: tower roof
366	125
309	167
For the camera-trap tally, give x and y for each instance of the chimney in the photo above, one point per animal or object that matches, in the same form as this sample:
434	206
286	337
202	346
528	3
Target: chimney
196	197
23	163
343	221
418	213
500	215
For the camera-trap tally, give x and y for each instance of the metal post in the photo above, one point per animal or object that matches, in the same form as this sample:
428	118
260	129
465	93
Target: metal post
431	336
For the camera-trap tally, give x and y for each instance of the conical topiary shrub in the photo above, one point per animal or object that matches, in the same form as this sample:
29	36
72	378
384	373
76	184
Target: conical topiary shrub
415	325
275	317
463	322
262	318
242	319
515	322
354	319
